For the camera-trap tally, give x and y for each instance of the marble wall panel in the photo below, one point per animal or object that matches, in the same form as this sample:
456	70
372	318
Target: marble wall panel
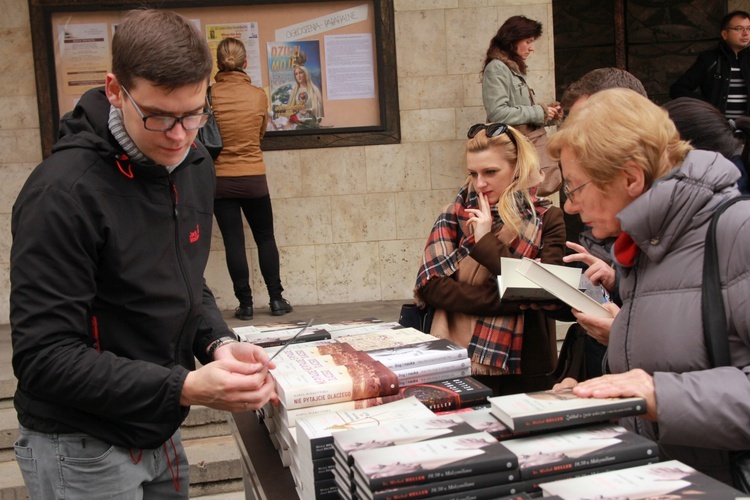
403	167
448	164
433	92
332	171
420	43
357	218
13	176
399	263
427	125
302	221
348	272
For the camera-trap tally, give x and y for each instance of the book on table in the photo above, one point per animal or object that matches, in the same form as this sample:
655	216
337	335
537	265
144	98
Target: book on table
670	479
430	352
579	448
444	395
433	460
330	373
514	286
315	433
536	411
560	288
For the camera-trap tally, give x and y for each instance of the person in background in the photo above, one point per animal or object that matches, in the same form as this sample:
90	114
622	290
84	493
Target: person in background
648	193
241	186
507	97
597	80
722	74
108	305
704	127
495	214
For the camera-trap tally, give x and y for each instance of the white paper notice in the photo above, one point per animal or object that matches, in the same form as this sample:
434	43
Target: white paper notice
322	24
247	33
84	56
349	67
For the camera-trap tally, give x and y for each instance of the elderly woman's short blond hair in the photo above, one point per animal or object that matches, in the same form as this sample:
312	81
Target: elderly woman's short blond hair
615	126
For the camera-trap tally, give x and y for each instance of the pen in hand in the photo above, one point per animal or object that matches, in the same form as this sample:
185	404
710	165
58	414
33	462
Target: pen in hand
291	341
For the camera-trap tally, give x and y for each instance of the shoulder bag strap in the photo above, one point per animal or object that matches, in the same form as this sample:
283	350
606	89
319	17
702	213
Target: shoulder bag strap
712	302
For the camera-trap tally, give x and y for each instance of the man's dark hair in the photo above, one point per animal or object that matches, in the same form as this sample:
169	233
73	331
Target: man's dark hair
728	18
701	124
162	47
513	30
600	79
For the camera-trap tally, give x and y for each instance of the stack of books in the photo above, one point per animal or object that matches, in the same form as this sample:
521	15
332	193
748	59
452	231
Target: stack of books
405	432
476	463
567	436
312	458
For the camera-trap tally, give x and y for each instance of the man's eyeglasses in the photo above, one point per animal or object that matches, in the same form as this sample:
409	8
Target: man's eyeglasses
492	130
740	29
163	123
570	193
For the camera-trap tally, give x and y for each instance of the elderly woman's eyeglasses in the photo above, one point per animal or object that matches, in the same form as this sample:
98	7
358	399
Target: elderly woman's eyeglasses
164	123
492	130
570	193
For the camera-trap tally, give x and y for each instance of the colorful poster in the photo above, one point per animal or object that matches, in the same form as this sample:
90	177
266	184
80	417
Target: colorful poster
296	84
247	33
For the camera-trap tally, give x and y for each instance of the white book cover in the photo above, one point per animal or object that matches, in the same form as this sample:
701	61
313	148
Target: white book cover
561	288
435	377
310	430
513	285
383	339
430	352
671	479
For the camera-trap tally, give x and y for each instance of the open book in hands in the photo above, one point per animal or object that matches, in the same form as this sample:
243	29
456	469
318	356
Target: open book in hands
530	281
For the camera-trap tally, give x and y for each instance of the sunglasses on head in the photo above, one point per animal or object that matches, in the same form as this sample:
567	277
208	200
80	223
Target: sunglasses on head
492	130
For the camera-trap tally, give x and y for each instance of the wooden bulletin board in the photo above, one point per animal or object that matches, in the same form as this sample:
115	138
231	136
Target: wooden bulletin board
347	48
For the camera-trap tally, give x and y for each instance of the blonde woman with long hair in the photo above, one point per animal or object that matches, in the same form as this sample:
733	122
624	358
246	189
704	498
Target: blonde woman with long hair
495	214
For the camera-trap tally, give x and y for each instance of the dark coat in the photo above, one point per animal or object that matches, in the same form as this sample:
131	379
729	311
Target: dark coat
108	303
711	72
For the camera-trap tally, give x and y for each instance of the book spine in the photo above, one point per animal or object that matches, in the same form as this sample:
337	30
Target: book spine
321	447
533	485
322	468
560	419
435	377
442	367
437	474
449	486
318	335
424	359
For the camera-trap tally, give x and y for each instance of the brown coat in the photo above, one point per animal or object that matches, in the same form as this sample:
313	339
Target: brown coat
241	111
462	300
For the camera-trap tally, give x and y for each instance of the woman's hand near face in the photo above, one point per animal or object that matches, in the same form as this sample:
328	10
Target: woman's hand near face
481	218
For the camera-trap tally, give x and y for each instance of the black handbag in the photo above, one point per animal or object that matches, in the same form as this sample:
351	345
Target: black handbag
715	331
412	316
209	133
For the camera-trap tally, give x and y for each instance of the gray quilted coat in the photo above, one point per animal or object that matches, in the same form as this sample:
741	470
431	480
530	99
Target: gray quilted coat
701	410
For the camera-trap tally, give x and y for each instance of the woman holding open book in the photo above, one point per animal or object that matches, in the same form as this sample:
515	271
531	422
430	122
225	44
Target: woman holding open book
649	195
495	214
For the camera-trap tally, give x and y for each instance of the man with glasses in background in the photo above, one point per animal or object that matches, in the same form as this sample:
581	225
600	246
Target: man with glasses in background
108	305
723	74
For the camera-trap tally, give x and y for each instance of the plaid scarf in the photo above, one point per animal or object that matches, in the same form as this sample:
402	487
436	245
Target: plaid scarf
496	341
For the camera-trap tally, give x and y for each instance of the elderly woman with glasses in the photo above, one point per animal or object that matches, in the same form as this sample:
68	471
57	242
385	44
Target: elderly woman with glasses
495	214
649	195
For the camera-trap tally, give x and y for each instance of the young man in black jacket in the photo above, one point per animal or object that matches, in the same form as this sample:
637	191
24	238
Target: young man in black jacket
723	74
109	308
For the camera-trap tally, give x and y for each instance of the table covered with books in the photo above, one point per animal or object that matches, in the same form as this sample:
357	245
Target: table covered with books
415	430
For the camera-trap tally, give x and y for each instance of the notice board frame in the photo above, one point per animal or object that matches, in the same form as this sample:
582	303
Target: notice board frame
387	132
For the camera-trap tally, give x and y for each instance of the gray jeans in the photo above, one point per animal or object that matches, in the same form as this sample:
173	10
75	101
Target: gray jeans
73	466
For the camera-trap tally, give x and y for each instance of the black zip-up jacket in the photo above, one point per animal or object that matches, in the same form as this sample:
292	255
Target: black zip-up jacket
711	72
108	303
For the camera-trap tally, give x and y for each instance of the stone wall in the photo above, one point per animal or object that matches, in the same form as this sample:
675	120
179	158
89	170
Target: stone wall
351	223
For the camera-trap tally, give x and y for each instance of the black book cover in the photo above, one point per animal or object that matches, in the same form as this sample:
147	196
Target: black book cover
433	460
579	448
